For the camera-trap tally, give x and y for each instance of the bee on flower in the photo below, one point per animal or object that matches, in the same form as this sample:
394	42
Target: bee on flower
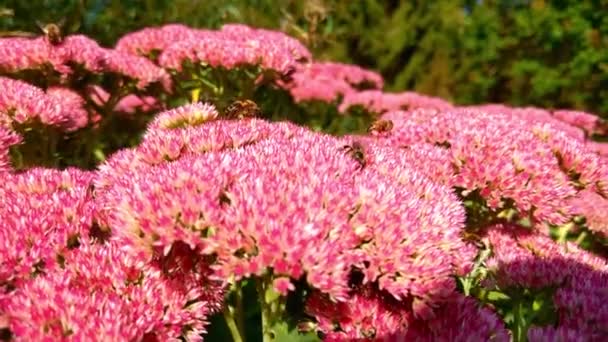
357	152
242	109
52	31
380	126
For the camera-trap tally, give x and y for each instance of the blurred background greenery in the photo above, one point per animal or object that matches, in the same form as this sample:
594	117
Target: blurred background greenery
549	53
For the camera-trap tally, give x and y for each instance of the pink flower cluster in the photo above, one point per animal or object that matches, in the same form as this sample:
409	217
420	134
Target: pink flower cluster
371	315
232	46
599	147
58	281
538	166
459	319
528	259
18	54
189	115
42	212
285	200
379	102
154	39
368	315
327	81
534	116
588	122
146	246
175	134
101	293
594	208
128	104
23	103
25	54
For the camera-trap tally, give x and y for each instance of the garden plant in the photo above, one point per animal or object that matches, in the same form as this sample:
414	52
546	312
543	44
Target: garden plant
198	184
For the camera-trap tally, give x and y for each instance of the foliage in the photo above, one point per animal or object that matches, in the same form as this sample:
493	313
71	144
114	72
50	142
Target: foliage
552	54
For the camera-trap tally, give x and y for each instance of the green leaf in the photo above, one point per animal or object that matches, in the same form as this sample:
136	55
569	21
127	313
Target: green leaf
282	333
497	296
271	295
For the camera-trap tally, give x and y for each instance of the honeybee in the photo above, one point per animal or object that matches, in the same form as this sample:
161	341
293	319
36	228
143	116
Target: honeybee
242	109
52	31
357	152
380	126
473	238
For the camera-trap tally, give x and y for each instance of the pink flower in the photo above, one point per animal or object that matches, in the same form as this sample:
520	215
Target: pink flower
594	208
585	167
432	161
308	83
560	333
8	138
136	68
325	81
283	285
291	201
527	258
133	103
535	116
27	54
235	46
380	102
600	148
23	103
102	293
129	104
152	39
367	315
73	103
43	212
158	146
370	315
188	115
588	122
79	50
538	167
21	54
522	258
353	74
459	319
265	37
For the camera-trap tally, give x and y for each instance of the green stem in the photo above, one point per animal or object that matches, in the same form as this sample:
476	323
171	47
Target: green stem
580	238
266	310
240	313
272	306
229	314
563	232
521	324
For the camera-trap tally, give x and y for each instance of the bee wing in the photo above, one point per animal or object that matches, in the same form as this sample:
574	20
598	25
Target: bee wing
41	26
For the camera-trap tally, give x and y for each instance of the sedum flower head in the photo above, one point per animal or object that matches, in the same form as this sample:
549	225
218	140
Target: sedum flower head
292	203
377	101
189	115
151	39
326	81
22	103
102	293
42	214
537	166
